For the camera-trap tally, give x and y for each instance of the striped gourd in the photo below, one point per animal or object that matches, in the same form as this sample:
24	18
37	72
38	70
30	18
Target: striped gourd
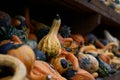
50	44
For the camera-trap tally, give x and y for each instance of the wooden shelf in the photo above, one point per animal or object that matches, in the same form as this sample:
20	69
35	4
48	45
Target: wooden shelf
109	16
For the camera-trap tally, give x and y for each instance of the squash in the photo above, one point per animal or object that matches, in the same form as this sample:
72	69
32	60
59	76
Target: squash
78	38
22	52
89	48
88	62
10	64
74	72
104	69
92	39
65	42
60	64
64	62
79	74
74	48
82	74
43	71
50	44
105	58
7	32
72	59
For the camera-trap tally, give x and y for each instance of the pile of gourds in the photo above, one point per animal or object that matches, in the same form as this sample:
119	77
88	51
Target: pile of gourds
53	53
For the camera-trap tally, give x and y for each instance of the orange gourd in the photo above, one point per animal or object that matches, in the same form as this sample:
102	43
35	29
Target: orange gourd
82	75
22	52
105	58
78	38
65	42
43	71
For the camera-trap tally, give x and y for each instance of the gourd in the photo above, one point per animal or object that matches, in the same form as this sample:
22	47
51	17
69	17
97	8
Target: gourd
89	49
88	62
78	38
105	58
22	52
75	72
43	71
79	74
104	69
65	42
82	74
50	44
60	64
64	62
17	68
6	33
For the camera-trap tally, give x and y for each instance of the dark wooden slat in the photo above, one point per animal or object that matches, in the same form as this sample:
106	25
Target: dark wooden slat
94	6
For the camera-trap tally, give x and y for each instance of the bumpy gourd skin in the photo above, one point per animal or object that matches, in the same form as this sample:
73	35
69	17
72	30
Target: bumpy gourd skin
50	44
60	64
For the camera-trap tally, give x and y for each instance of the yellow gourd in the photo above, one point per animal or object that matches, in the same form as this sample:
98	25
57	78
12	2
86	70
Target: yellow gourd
50	44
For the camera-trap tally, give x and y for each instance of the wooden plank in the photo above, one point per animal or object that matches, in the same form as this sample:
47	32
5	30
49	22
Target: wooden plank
94	6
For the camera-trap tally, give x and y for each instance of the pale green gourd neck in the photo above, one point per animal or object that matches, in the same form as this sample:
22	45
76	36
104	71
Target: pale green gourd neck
55	26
